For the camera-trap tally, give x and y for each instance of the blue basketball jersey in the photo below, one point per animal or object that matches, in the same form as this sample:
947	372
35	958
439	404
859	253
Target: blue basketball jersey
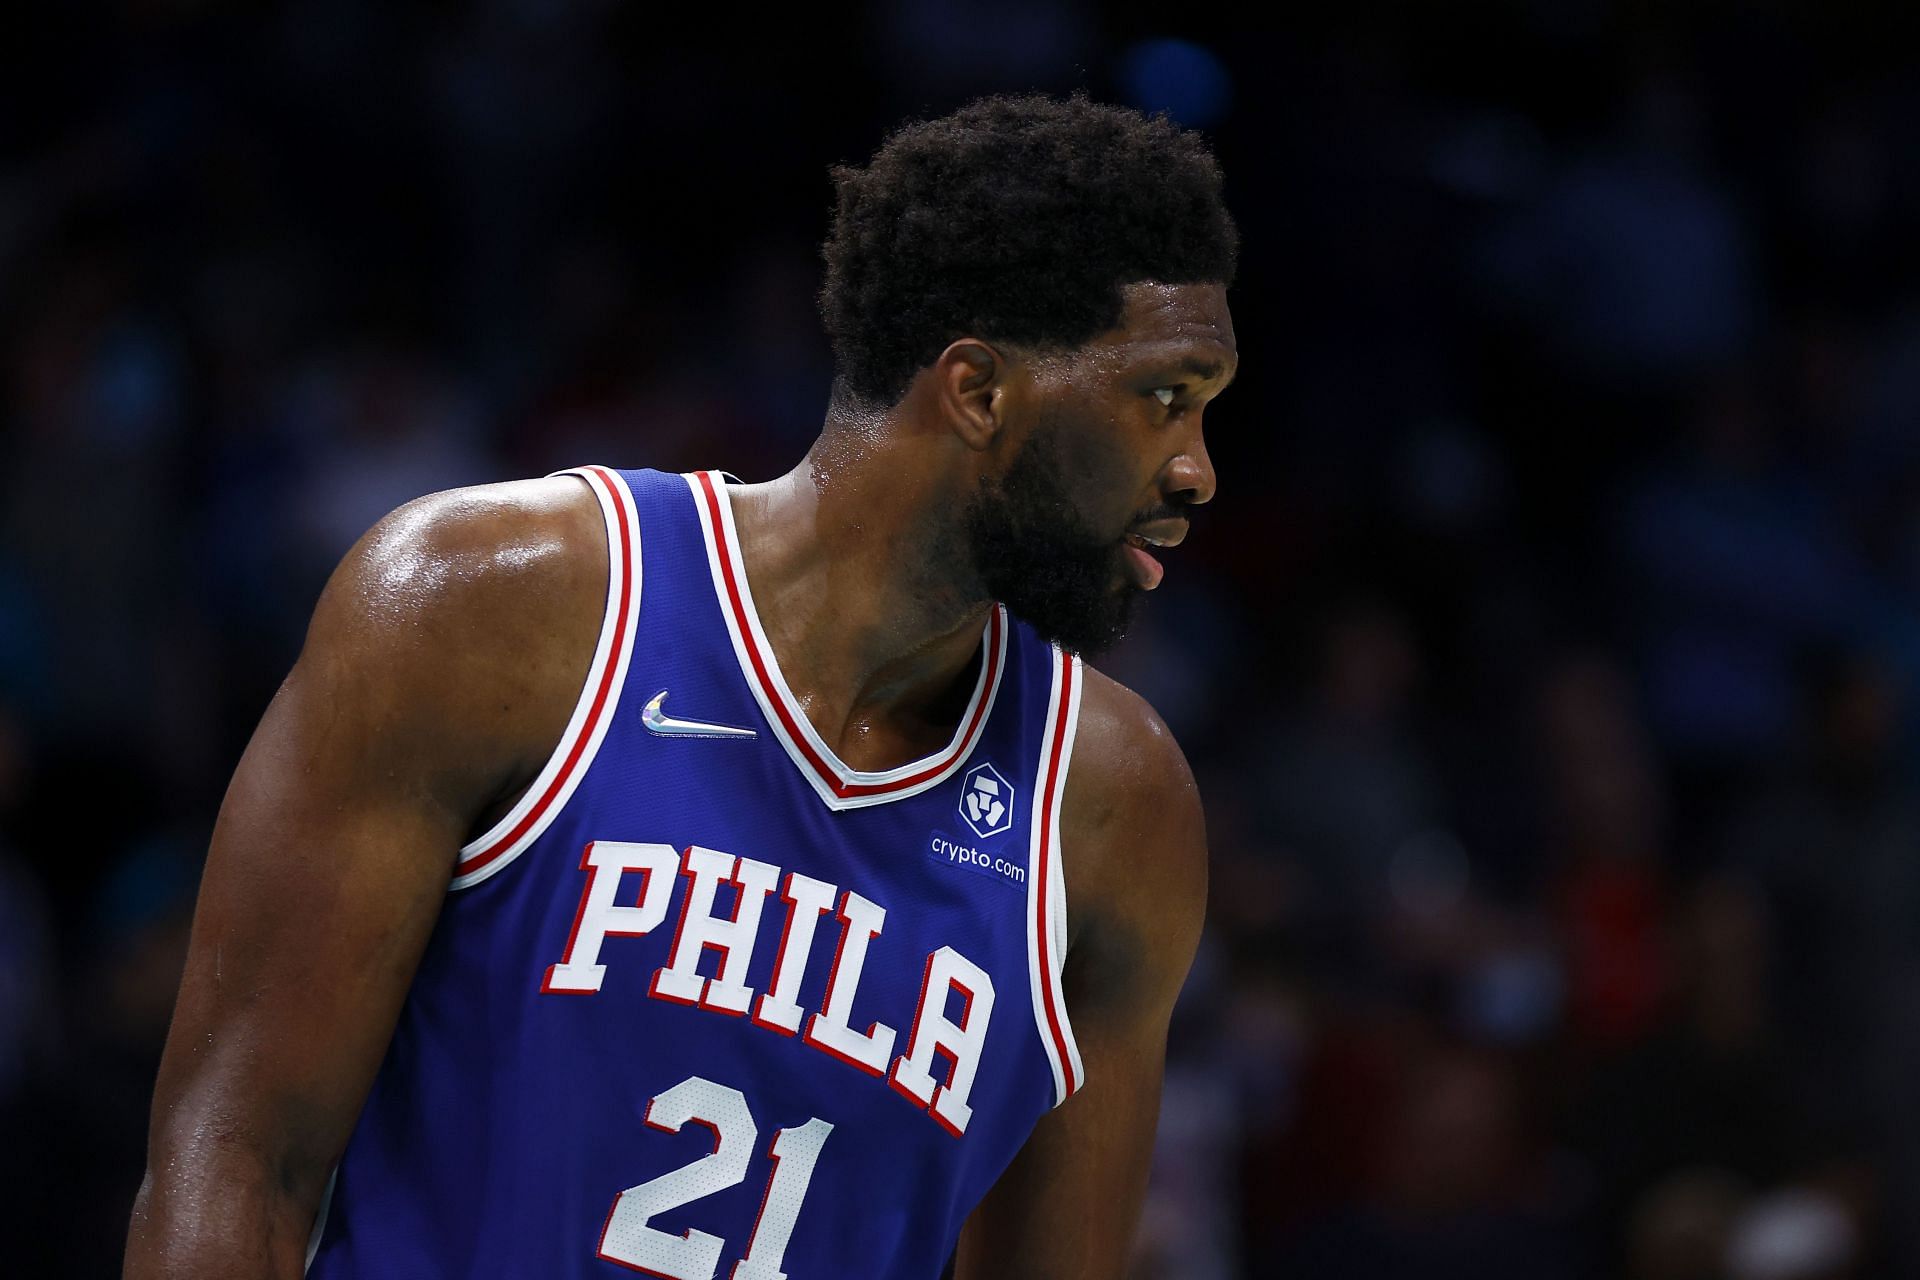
707	1002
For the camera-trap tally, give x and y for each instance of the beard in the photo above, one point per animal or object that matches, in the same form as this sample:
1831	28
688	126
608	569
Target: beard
1031	549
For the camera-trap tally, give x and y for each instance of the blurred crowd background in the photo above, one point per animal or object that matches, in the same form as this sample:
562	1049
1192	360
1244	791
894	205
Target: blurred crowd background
1548	659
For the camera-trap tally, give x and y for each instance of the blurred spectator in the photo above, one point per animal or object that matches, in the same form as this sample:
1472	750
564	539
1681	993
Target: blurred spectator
1733	562
1712	1087
1345	787
1633	264
1832	838
1453	1186
1606	840
1680	1226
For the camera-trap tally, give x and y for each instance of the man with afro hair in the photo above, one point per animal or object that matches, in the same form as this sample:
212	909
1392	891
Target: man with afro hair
670	874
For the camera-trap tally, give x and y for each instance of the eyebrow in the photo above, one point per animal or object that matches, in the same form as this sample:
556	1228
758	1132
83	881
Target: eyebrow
1207	369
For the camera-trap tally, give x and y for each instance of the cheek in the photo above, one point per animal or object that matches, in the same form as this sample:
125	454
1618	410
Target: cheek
1095	441
1101	472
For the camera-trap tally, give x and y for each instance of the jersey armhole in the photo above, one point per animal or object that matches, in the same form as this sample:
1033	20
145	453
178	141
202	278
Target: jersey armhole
1046	881
593	711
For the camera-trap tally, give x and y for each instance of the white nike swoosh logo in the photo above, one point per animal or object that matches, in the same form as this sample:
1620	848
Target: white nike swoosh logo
658	721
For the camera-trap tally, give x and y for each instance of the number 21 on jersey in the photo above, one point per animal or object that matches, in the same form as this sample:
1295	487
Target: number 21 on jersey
695	1254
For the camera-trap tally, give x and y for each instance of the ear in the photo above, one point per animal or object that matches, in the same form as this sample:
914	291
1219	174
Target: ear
970	382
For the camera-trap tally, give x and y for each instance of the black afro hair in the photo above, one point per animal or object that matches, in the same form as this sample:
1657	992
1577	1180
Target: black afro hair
1016	219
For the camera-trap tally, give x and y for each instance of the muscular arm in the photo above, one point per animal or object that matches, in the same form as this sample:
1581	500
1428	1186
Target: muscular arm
1135	850
439	669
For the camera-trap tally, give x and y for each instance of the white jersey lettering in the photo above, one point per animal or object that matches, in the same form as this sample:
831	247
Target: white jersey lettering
807	900
829	1030
598	918
679	980
940	1088
948	972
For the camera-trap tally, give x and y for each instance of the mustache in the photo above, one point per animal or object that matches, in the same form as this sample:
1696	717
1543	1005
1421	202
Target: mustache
1157	513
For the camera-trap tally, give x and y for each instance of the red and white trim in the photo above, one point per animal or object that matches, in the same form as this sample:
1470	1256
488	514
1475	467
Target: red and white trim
836	784
1047	884
508	838
320	1221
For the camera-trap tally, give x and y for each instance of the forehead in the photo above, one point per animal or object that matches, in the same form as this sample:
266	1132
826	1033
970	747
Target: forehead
1171	320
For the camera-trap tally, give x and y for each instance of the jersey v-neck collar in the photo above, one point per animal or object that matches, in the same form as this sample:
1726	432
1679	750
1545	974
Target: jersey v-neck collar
838	785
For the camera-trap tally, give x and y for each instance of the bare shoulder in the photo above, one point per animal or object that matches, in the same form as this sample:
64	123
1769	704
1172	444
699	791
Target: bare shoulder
1134	842
524	542
459	629
1126	764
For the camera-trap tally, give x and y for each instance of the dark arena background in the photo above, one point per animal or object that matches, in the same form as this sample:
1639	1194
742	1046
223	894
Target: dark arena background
1548	661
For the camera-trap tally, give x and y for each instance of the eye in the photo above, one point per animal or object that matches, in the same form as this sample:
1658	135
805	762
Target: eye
1163	394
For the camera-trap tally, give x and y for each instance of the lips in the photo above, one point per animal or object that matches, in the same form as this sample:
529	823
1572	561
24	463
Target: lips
1145	571
1159	533
1142	569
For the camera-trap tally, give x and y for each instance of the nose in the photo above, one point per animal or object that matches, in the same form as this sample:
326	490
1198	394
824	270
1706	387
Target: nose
1189	479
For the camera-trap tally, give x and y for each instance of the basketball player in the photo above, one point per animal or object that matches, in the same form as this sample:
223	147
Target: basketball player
663	873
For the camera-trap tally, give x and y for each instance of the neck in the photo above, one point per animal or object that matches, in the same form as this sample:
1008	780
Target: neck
877	638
